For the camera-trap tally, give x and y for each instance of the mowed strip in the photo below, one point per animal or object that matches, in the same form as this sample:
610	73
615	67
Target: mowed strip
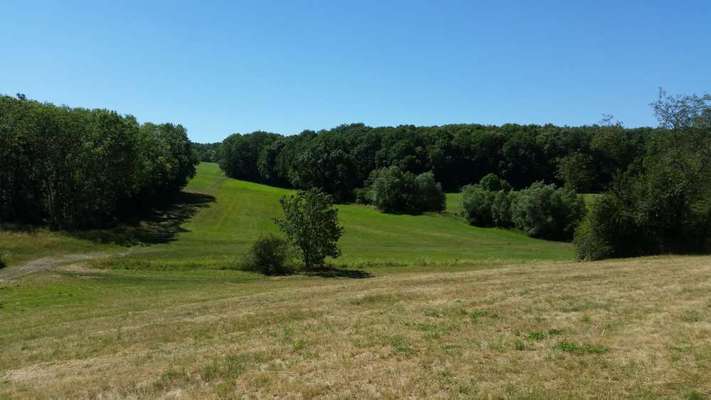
636	328
223	230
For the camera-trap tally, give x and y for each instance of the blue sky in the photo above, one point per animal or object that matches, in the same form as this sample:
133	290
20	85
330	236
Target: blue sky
220	67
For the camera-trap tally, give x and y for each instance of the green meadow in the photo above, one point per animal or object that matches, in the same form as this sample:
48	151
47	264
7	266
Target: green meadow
445	310
231	214
223	229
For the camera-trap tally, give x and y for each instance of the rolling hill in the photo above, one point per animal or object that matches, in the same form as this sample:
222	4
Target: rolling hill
221	217
461	317
224	227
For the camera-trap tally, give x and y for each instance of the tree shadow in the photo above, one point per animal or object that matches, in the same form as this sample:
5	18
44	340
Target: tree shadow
158	225
336	272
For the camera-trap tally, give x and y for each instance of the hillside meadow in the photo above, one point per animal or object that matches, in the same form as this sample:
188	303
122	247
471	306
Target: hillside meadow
441	309
221	218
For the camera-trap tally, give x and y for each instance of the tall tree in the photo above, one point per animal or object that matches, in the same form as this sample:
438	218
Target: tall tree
682	111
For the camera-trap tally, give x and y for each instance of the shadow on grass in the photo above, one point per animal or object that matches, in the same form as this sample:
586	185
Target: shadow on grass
335	272
159	225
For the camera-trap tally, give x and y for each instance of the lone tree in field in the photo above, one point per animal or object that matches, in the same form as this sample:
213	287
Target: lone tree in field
311	224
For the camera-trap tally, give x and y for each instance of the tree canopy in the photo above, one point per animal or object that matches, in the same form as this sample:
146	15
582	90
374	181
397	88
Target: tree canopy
340	160
310	223
79	168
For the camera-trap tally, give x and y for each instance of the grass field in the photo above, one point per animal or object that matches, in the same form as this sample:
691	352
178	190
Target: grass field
638	328
233	213
448	311
242	211
21	245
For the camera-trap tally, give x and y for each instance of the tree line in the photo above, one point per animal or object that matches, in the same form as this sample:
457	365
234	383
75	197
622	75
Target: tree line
207	152
661	203
79	168
75	168
340	160
655	183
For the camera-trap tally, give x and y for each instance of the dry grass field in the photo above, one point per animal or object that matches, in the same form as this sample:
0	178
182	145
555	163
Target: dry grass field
637	328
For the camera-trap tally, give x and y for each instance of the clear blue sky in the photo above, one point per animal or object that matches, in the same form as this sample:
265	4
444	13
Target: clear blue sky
220	67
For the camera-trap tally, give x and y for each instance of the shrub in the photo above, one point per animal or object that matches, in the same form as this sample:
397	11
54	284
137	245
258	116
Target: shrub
501	209
429	193
393	190
493	183
489	202
363	195
544	211
605	227
268	255
311	224
477	203
396	191
2	261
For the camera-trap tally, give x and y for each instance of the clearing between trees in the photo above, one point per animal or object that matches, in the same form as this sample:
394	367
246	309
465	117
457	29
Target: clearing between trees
220	218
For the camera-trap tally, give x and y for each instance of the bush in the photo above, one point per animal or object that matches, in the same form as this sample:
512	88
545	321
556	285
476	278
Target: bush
2	262
608	231
488	203
493	183
429	193
363	195
501	209
311	224
268	255
543	211
396	191
393	190
478	203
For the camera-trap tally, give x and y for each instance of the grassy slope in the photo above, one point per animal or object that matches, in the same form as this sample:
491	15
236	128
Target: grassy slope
21	246
244	210
221	232
638	328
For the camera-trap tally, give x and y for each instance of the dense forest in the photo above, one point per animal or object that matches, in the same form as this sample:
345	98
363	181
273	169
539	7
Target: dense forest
340	160
207	152
78	168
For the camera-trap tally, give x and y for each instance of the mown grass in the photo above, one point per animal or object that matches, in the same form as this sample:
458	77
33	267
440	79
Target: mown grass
222	230
637	328
218	234
476	313
20	245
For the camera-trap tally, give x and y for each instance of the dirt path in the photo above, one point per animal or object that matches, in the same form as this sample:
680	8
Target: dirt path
46	264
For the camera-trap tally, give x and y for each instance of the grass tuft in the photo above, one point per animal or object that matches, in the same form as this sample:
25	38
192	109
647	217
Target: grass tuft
583	348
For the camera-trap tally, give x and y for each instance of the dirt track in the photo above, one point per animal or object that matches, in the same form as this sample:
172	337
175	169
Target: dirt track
45	264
